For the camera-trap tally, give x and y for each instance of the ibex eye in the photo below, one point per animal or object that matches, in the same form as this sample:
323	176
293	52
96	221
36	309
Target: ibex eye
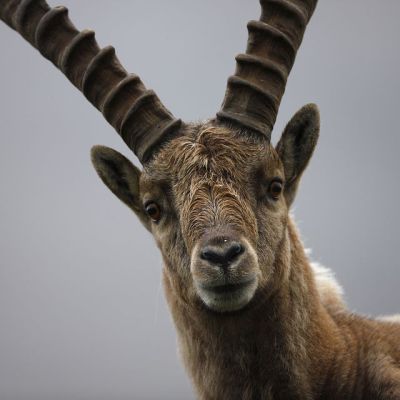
275	189
153	211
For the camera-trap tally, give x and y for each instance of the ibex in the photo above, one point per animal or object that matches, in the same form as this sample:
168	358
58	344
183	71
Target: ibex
254	319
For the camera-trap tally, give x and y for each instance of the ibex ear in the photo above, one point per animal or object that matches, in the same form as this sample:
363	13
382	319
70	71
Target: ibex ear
297	145
120	176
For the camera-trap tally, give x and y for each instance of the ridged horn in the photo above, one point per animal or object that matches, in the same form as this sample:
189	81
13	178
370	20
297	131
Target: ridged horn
255	91
135	112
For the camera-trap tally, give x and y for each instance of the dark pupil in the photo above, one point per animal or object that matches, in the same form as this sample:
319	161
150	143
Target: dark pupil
276	188
152	210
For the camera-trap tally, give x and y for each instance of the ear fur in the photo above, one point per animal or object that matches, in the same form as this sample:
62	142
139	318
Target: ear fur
297	145
120	176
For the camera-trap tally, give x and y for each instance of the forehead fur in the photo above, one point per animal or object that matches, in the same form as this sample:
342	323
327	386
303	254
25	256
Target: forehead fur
211	173
213	152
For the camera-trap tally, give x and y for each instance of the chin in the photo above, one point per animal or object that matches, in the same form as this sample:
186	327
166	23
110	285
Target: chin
227	298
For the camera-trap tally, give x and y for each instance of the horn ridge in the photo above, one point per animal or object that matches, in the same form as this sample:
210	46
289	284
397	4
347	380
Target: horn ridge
269	42
294	18
139	102
96	72
136	118
103	67
85	38
252	101
115	100
267	65
24	13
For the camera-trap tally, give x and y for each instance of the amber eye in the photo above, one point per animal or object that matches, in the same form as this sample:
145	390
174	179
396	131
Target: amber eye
153	211
275	189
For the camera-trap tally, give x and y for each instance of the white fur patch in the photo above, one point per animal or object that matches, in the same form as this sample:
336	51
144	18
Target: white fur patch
390	318
330	291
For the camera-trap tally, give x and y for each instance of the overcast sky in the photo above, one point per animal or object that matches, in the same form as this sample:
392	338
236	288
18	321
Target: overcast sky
82	313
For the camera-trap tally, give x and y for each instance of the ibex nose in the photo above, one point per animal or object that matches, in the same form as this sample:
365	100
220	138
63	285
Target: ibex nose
222	252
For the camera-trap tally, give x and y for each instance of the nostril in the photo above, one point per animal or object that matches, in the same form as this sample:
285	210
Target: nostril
208	255
222	254
235	250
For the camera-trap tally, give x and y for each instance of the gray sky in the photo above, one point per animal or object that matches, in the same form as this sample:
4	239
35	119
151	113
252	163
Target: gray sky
82	314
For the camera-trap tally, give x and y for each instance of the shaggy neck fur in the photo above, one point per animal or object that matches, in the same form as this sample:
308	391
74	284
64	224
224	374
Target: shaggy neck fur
285	346
240	354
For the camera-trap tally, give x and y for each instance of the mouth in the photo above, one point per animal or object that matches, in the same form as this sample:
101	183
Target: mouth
228	297
228	287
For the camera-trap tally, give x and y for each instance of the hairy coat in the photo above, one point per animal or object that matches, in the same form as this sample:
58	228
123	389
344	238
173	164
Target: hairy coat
294	338
255	319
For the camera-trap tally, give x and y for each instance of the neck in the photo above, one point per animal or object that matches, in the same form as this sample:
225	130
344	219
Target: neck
267	348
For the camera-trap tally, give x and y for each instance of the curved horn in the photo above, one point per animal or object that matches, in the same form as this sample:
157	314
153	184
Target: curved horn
136	113
254	93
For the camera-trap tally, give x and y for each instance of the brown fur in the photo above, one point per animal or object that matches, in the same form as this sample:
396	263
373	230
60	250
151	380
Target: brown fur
254	325
285	343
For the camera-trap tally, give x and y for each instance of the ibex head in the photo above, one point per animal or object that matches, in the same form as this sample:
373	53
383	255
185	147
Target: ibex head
216	201
214	195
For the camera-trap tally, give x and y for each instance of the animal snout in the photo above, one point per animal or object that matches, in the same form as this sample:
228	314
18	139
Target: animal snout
225	271
222	251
